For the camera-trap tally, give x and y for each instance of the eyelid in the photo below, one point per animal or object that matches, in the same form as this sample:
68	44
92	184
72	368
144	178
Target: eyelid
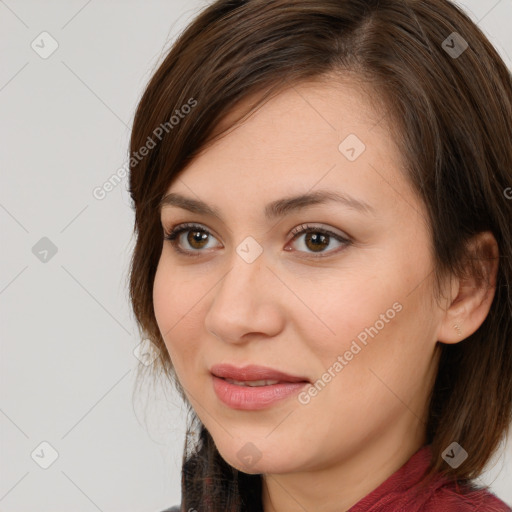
301	228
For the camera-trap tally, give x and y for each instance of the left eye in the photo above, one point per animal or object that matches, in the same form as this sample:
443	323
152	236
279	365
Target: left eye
316	239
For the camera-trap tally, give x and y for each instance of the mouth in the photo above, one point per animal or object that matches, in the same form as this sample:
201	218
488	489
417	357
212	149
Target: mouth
254	375
253	383
253	387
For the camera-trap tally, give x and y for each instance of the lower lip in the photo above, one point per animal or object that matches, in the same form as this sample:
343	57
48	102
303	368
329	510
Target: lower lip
254	398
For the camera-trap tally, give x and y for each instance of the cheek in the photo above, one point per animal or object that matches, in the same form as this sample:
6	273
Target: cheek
342	307
163	299
177	305
370	319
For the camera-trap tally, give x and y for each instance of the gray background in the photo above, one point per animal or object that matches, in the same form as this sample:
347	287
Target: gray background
67	332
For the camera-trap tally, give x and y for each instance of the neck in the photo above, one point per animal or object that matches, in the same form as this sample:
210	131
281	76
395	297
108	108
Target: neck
339	486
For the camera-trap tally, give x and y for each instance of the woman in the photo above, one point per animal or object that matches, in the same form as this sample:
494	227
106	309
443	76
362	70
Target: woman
323	253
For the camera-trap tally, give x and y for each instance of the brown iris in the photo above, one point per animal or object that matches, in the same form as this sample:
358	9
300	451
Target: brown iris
318	241
197	236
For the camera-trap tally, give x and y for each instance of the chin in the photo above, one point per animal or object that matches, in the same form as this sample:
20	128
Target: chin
251	460
262	467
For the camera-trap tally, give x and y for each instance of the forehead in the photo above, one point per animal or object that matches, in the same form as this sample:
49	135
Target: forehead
328	134
319	94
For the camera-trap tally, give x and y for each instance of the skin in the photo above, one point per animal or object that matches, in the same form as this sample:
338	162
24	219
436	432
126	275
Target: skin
297	312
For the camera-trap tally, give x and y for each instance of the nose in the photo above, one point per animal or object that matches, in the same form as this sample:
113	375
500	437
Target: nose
246	303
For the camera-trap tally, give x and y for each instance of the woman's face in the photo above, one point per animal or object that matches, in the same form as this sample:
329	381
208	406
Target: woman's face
354	318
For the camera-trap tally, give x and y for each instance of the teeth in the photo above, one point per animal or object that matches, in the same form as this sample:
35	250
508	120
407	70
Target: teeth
252	383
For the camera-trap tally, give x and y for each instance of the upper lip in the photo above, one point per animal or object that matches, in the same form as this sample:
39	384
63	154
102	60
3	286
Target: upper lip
253	372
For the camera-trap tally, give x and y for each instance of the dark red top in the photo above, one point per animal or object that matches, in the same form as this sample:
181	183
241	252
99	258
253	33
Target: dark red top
401	492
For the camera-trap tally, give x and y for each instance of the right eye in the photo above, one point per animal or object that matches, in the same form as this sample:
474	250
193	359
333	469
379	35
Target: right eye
197	238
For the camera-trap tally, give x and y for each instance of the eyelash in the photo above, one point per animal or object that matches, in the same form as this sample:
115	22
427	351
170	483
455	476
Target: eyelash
173	237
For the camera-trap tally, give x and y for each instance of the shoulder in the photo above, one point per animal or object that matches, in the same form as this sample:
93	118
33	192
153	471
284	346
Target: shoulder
172	509
457	499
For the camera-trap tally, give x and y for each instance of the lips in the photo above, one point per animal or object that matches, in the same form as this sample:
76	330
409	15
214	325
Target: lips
253	388
253	373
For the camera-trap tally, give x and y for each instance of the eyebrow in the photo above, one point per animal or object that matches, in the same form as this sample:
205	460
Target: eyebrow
276	209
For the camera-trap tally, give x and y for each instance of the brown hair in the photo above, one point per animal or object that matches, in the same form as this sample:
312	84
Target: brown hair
451	116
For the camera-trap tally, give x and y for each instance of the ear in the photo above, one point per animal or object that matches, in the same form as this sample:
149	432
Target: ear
471	296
